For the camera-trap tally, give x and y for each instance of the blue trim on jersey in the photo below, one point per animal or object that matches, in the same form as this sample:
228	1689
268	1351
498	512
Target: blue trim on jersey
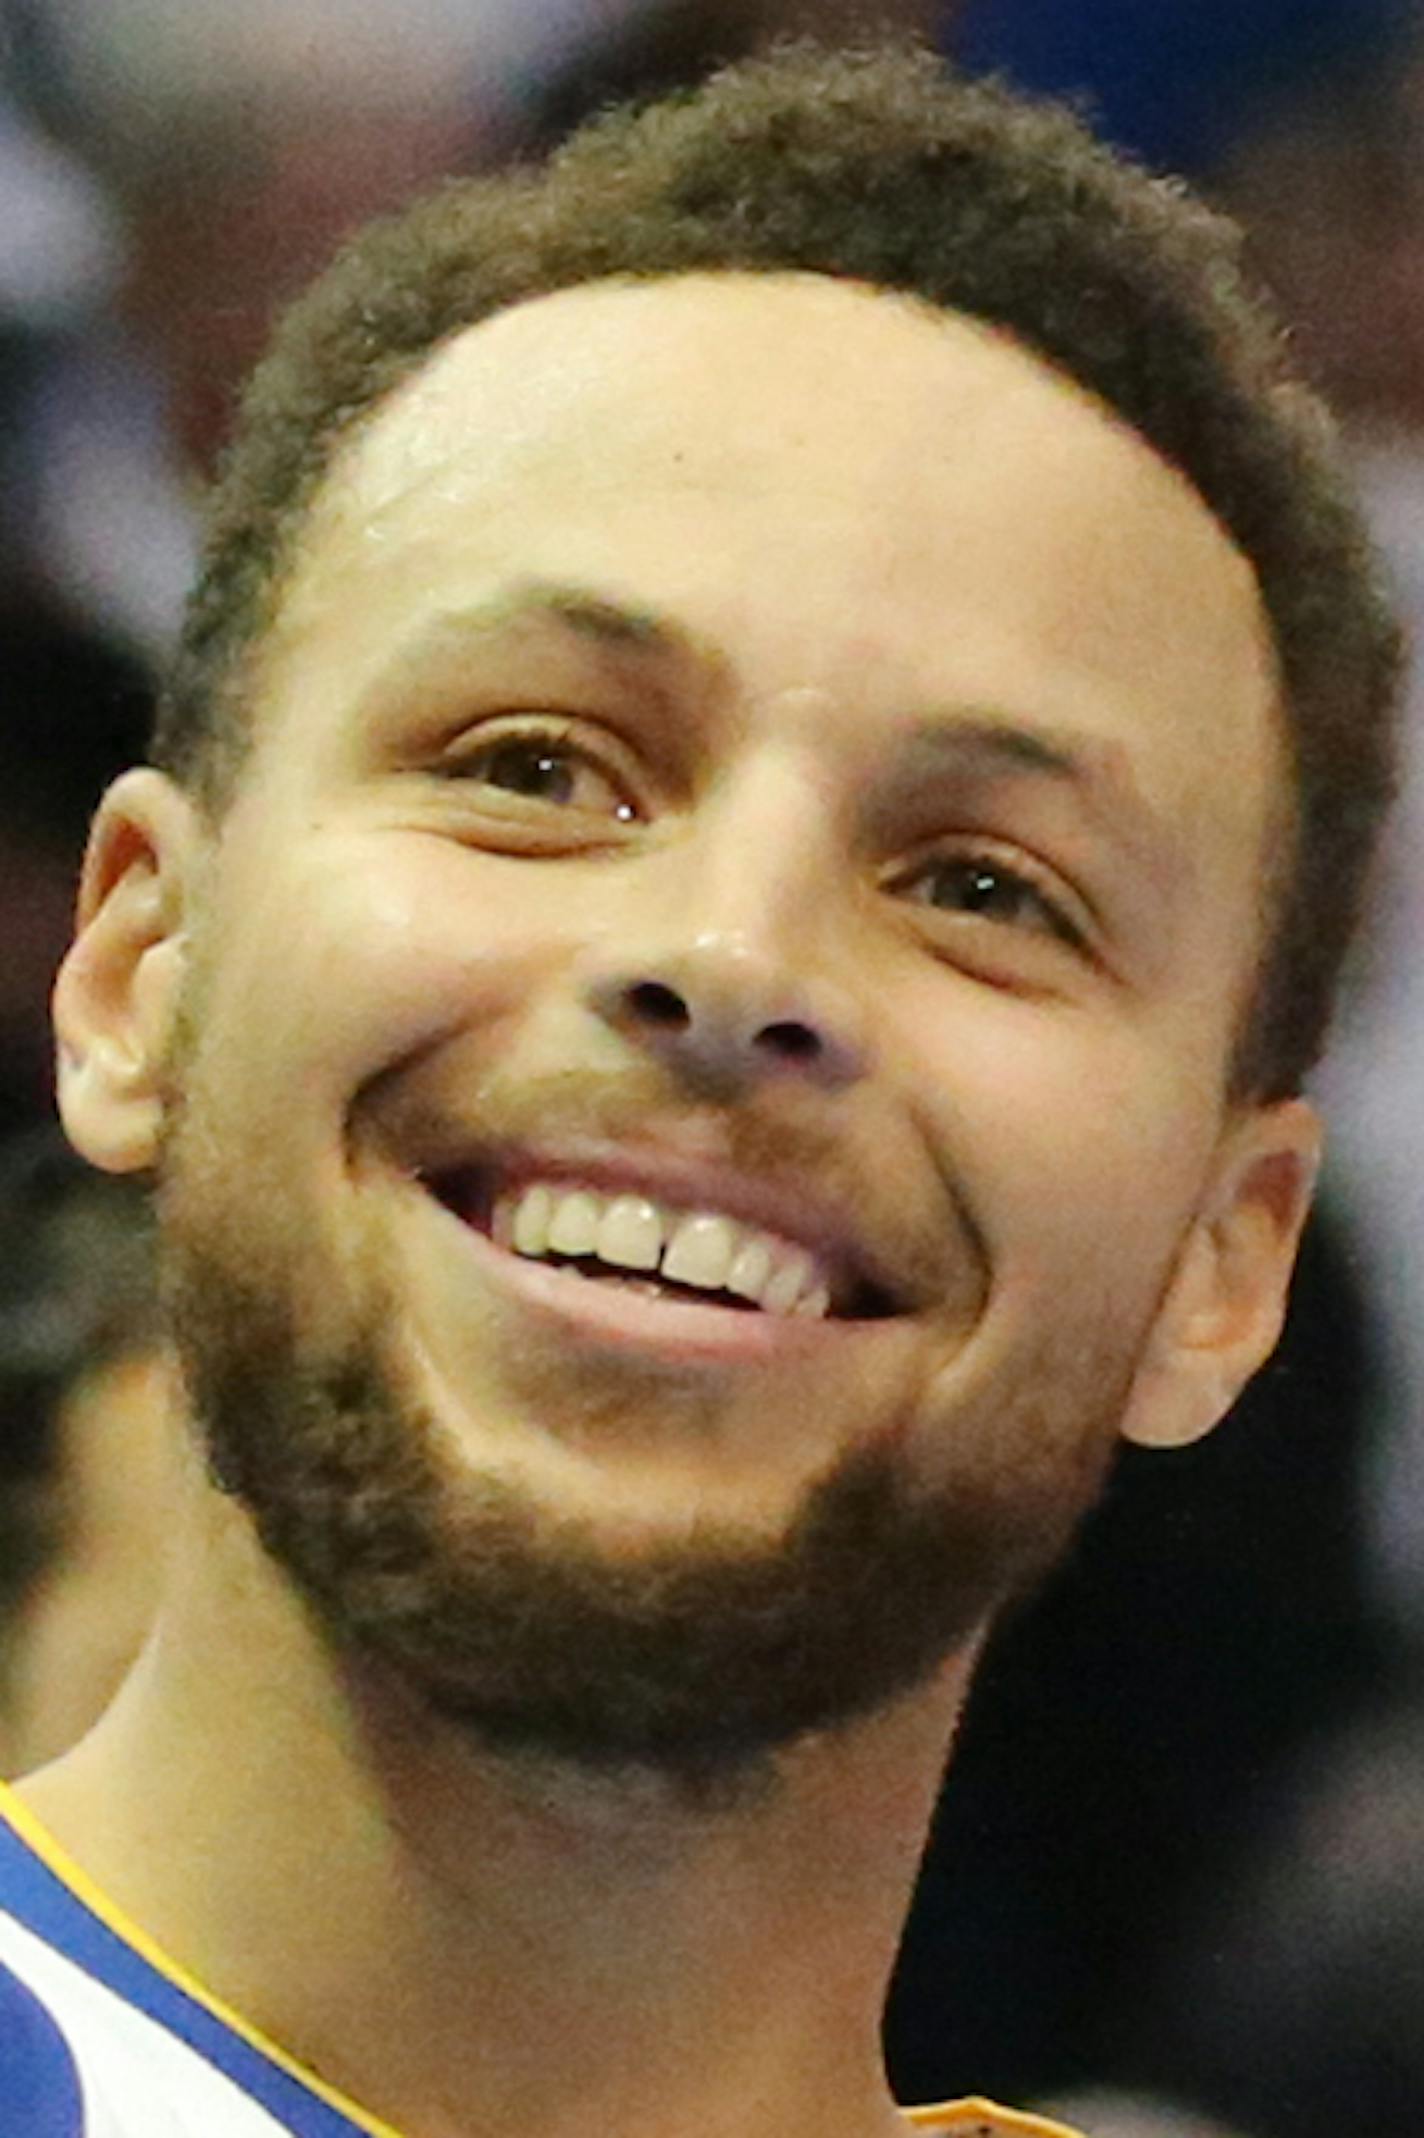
39	1898
39	2086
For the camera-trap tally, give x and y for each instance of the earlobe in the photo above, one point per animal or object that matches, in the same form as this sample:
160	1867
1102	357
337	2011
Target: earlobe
117	990
1225	1306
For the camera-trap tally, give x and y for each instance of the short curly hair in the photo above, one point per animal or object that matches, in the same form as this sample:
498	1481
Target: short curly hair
882	166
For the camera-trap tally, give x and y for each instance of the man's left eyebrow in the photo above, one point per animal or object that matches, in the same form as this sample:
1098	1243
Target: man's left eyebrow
989	746
990	743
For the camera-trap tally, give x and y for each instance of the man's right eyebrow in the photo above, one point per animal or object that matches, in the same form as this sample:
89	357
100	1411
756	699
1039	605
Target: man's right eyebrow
614	628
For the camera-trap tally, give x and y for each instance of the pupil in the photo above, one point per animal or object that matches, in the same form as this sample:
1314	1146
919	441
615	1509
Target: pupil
526	768
976	887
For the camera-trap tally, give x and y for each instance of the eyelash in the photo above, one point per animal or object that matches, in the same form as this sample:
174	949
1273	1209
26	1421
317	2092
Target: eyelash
557	739
984	859
550	740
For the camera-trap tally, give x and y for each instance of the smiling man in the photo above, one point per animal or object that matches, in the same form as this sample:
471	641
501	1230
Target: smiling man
745	857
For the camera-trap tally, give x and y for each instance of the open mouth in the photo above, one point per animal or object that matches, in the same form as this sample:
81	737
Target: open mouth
659	1249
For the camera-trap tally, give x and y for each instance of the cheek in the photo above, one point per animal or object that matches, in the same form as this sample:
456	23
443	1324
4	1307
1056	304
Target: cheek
369	949
1080	1135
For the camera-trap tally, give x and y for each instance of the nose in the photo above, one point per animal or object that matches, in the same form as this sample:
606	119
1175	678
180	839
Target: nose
726	1017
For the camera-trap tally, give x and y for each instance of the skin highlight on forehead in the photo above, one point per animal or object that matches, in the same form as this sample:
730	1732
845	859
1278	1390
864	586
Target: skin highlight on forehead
516	390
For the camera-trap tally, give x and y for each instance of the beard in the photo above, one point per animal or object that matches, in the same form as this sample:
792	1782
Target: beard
696	1659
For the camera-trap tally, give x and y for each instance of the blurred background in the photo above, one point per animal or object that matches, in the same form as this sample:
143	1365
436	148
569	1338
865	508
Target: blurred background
1176	1889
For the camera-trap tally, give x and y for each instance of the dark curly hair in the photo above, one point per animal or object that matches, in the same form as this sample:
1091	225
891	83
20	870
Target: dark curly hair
882	166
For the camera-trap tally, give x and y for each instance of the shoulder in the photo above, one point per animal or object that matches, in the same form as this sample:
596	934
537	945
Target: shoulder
977	2118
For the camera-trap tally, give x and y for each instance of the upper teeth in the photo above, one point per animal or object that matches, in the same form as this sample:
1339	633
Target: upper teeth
697	1247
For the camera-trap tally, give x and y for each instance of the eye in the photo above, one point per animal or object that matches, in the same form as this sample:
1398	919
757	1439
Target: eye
546	766
983	885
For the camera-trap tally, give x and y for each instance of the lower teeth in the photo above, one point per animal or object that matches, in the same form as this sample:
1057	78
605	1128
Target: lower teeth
645	1287
651	1287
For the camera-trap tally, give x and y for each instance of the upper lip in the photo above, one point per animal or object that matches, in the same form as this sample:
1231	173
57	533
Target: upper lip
860	1279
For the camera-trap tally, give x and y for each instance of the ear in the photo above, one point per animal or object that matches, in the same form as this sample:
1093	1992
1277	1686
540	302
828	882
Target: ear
117	989
1224	1308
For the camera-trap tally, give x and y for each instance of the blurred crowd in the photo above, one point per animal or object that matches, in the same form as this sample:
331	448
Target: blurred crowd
1177	1887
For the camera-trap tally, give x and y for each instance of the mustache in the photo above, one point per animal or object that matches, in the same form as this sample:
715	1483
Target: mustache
429	1117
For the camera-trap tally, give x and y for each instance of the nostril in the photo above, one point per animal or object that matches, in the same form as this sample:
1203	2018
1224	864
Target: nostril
793	1042
659	1005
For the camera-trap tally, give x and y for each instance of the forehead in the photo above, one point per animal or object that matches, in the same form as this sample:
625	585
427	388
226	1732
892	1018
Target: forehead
729	374
827	480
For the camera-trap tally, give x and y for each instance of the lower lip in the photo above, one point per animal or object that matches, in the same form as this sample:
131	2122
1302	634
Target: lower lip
675	1330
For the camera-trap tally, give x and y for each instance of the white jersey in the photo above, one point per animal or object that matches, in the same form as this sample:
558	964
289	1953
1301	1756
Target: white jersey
102	2036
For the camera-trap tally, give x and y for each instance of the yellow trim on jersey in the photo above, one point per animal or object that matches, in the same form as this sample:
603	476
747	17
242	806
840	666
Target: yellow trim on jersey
83	1887
998	2122
951	2116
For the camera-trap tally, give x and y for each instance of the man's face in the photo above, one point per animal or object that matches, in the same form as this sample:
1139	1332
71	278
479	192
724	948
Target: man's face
753	772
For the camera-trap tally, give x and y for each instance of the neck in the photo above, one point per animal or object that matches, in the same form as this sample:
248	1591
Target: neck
358	1881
